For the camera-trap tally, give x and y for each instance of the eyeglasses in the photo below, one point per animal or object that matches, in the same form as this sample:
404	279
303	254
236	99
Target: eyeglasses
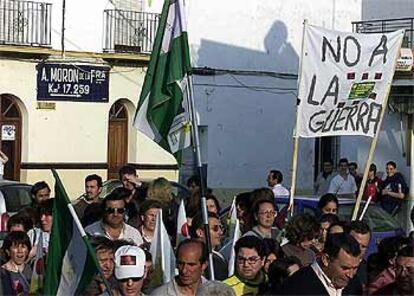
250	260
268	213
113	210
217	228
134	279
409	269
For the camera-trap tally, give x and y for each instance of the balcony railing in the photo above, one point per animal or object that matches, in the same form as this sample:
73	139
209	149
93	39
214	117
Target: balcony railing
25	23
129	31
388	25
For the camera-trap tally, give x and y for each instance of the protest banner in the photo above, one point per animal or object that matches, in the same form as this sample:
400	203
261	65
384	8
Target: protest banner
344	82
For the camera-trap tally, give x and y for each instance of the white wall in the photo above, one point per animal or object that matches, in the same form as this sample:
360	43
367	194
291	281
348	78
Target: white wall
387	9
83	23
250	130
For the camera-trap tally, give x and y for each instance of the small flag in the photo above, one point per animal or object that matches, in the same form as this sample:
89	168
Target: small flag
232	218
71	261
163	258
182	225
236	236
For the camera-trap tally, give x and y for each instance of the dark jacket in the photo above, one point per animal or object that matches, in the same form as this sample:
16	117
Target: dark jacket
221	268
303	282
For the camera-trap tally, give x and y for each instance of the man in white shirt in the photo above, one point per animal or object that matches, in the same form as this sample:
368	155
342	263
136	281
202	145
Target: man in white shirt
343	184
274	180
112	224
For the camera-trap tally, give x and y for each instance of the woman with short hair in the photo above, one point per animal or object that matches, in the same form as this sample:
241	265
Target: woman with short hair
16	274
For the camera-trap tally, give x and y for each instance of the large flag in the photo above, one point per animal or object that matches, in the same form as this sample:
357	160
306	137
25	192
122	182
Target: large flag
163	258
182	225
163	108
71	262
344	81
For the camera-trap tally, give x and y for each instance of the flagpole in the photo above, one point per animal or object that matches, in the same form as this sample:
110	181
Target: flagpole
196	149
295	135
372	147
83	235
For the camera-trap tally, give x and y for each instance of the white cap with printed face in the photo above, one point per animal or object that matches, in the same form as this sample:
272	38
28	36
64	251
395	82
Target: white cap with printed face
129	262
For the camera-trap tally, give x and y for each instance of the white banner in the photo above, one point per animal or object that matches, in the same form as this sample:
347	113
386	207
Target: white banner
344	81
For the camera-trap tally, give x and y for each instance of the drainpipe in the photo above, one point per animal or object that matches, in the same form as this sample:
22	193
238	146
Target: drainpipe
63	28
410	198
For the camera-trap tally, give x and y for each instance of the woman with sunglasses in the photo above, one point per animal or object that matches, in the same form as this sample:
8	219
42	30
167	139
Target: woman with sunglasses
15	273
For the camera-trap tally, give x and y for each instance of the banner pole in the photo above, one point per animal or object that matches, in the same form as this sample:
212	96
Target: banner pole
372	147
295	132
196	145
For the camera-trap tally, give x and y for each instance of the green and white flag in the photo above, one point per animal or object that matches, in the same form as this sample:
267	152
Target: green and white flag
163	108
71	262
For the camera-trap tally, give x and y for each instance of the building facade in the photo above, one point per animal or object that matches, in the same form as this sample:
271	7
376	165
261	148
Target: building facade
68	103
246	56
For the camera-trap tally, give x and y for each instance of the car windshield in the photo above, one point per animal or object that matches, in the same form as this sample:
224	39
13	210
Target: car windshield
16	197
377	219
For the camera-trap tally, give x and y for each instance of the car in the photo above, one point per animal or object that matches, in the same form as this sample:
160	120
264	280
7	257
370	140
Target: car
14	196
380	222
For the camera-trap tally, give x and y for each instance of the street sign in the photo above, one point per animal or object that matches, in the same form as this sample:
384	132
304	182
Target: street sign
71	82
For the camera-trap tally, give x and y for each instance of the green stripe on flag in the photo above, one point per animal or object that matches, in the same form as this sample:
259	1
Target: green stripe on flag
71	262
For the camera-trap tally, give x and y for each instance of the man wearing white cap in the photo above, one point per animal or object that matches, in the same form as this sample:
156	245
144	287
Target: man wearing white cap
129	271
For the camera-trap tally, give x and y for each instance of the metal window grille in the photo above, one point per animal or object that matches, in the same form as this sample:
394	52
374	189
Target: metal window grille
25	23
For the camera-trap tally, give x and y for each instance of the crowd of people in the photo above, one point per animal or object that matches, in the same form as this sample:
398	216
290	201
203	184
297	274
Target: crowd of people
346	181
273	255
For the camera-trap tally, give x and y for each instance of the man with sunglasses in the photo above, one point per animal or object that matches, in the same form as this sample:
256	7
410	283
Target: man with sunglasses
249	278
216	233
112	224
129	271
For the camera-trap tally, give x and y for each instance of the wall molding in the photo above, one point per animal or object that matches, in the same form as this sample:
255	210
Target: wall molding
91	166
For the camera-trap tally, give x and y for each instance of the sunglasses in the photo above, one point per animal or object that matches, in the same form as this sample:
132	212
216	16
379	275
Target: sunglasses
113	210
217	228
134	279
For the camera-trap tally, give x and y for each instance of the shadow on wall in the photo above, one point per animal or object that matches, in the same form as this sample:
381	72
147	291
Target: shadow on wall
278	54
268	102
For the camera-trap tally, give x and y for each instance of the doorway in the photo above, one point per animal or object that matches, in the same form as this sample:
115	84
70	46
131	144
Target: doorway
326	148
117	139
10	140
